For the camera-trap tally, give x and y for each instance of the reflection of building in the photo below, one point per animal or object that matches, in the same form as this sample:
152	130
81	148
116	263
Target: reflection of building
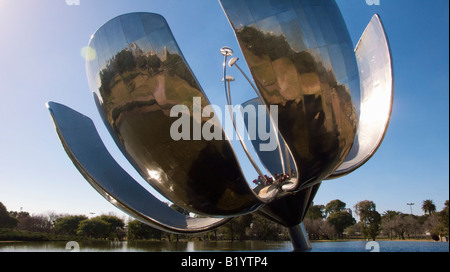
138	52
164	57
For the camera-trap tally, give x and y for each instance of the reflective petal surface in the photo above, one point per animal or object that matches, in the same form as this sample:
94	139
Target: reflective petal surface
377	95
139	76
86	150
301	58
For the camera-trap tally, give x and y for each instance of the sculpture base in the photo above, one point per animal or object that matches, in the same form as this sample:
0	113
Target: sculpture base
299	238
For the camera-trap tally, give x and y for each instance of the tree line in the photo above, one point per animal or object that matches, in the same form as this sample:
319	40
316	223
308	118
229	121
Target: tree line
54	226
334	220
331	221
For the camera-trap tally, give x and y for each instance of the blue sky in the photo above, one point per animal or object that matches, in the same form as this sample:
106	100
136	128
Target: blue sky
40	61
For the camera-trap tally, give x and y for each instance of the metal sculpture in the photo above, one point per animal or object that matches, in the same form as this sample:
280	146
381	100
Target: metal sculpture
333	110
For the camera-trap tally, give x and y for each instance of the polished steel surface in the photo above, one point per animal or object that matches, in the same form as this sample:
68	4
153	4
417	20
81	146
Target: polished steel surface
299	238
139	76
333	109
86	150
301	58
377	96
291	209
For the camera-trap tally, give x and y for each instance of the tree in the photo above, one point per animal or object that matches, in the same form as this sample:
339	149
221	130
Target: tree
401	225
353	230
69	224
370	219
52	217
327	230
19	215
35	223
242	224
432	225
140	231
341	220
116	226
428	206
6	220
265	229
387	220
94	228
228	229
319	229
444	220
316	212
334	206
438	223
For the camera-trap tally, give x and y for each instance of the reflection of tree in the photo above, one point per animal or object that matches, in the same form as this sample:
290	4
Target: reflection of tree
316	114
123	62
275	47
127	64
260	43
106	77
153	63
175	66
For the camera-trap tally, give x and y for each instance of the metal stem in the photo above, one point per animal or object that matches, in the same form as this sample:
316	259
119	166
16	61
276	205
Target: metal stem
270	119
230	108
299	238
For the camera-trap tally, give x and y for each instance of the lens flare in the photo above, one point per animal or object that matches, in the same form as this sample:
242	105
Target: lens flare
88	53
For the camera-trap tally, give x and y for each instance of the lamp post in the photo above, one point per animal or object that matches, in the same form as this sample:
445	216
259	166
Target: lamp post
414	226
410	206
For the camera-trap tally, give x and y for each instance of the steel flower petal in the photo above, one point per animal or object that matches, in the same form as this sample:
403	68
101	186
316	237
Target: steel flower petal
88	153
139	77
301	58
377	96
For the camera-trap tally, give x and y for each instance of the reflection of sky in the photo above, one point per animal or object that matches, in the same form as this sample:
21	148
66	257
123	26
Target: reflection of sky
289	23
270	25
151	38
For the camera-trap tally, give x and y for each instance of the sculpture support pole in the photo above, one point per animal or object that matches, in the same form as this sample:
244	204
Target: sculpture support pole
299	238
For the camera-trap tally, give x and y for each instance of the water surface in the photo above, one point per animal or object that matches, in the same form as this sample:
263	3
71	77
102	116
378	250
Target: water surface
204	246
